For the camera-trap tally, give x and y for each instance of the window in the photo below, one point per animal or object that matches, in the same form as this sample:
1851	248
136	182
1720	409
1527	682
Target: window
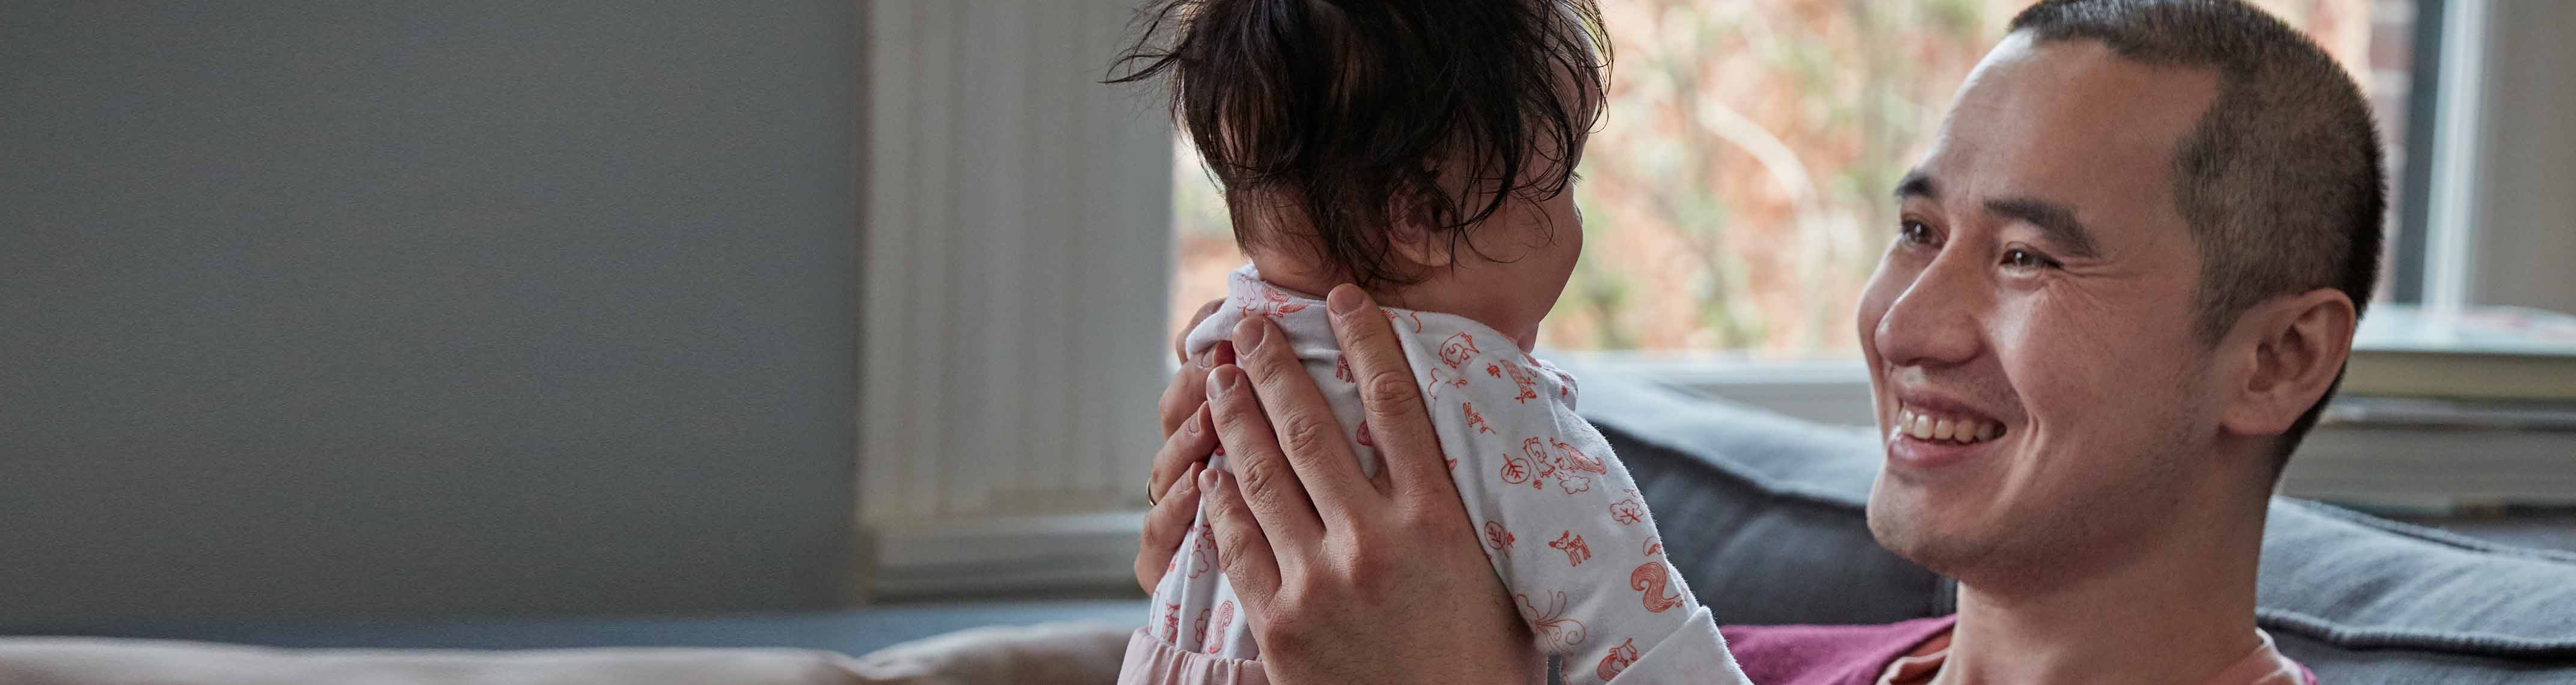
1735	195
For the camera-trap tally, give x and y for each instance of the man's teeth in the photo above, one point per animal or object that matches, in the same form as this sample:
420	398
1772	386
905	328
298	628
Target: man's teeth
1965	431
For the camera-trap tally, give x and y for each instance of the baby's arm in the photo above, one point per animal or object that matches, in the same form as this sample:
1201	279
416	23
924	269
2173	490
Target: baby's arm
1569	535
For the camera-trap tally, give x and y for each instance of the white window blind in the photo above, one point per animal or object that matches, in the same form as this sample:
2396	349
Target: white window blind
1017	244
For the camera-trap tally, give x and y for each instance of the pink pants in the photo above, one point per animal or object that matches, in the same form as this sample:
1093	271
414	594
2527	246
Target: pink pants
1151	661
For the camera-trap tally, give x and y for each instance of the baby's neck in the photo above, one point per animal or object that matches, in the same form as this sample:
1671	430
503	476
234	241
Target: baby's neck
1434	294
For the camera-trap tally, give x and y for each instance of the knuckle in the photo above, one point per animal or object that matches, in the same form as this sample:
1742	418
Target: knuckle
1363	569
1388	392
1258	482
1305	434
1369	538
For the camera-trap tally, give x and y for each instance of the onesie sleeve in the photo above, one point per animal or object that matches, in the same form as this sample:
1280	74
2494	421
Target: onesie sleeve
1566	529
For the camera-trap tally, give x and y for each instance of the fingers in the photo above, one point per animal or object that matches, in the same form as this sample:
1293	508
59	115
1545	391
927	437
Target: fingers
1242	549
1183	449
1167	525
1188	388
1268	485
1397	421
1310	437
1181	342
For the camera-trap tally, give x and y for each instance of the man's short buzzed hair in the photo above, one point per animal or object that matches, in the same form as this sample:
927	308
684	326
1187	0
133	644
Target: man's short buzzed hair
2281	179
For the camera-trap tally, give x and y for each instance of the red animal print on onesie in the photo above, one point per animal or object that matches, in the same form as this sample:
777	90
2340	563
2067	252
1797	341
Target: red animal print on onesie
1171	623
1203	551
1458	349
1198	626
1629	511
1618	659
1475	420
1342	368
1498	538
1521	377
1575	551
1555	632
1214	639
1572	469
1273	304
1654	580
1495	370
1654	546
1455	352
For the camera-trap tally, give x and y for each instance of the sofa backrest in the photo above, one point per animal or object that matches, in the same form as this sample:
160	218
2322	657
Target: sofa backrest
1763	515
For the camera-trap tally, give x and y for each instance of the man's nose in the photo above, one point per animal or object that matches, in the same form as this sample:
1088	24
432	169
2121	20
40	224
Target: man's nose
1935	322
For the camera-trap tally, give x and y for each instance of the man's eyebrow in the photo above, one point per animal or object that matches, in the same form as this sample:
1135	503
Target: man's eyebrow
2057	221
1916	184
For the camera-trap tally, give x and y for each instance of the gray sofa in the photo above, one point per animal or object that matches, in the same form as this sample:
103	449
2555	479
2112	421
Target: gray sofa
1763	515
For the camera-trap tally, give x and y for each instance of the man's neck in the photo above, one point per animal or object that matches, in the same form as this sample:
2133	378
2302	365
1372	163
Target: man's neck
2176	611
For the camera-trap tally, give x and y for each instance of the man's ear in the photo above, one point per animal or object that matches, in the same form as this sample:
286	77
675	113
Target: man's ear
2290	349
1412	223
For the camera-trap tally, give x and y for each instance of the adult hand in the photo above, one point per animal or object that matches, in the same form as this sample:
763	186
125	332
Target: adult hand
1345	579
1188	439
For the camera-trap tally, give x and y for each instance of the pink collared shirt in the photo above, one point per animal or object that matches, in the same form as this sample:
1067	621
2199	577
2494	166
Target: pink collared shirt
2263	666
1911	653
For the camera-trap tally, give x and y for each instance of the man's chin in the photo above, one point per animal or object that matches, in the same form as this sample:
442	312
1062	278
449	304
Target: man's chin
1904	521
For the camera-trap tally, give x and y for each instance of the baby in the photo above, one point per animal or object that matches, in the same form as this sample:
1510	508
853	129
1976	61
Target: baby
1423	150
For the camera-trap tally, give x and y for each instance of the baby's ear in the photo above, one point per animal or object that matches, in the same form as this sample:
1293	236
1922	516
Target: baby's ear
1412	222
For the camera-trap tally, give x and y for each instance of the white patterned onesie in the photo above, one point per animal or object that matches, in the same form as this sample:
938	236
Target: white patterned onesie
1554	510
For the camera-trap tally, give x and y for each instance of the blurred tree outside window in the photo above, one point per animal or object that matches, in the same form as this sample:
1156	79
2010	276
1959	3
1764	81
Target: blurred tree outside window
1736	194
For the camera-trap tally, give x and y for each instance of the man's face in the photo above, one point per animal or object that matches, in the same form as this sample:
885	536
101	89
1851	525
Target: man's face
2035	306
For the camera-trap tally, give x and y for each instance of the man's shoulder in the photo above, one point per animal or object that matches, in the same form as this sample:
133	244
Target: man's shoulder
1826	655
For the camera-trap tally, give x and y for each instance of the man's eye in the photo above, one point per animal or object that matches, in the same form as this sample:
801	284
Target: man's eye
1914	232
2024	259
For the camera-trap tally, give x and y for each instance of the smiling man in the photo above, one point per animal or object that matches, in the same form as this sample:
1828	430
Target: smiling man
2125	278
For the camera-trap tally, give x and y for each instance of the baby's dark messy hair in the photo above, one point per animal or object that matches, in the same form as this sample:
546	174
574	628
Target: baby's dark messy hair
1342	113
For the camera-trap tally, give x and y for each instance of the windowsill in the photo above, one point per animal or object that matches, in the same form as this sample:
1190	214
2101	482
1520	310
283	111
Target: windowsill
1007	556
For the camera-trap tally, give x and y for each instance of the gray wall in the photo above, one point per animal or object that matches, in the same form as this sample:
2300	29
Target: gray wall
399	307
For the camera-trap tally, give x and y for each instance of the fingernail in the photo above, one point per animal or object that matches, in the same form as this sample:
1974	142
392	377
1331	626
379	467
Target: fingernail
1344	299
1248	336
1207	478
1221	380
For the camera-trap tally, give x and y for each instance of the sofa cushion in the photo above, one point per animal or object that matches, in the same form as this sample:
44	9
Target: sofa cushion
101	661
1762	514
1081	653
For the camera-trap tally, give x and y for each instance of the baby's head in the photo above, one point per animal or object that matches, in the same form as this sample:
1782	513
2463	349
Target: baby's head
1421	149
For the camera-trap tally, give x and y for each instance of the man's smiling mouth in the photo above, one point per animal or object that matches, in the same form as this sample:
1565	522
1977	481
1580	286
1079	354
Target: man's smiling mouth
1929	426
